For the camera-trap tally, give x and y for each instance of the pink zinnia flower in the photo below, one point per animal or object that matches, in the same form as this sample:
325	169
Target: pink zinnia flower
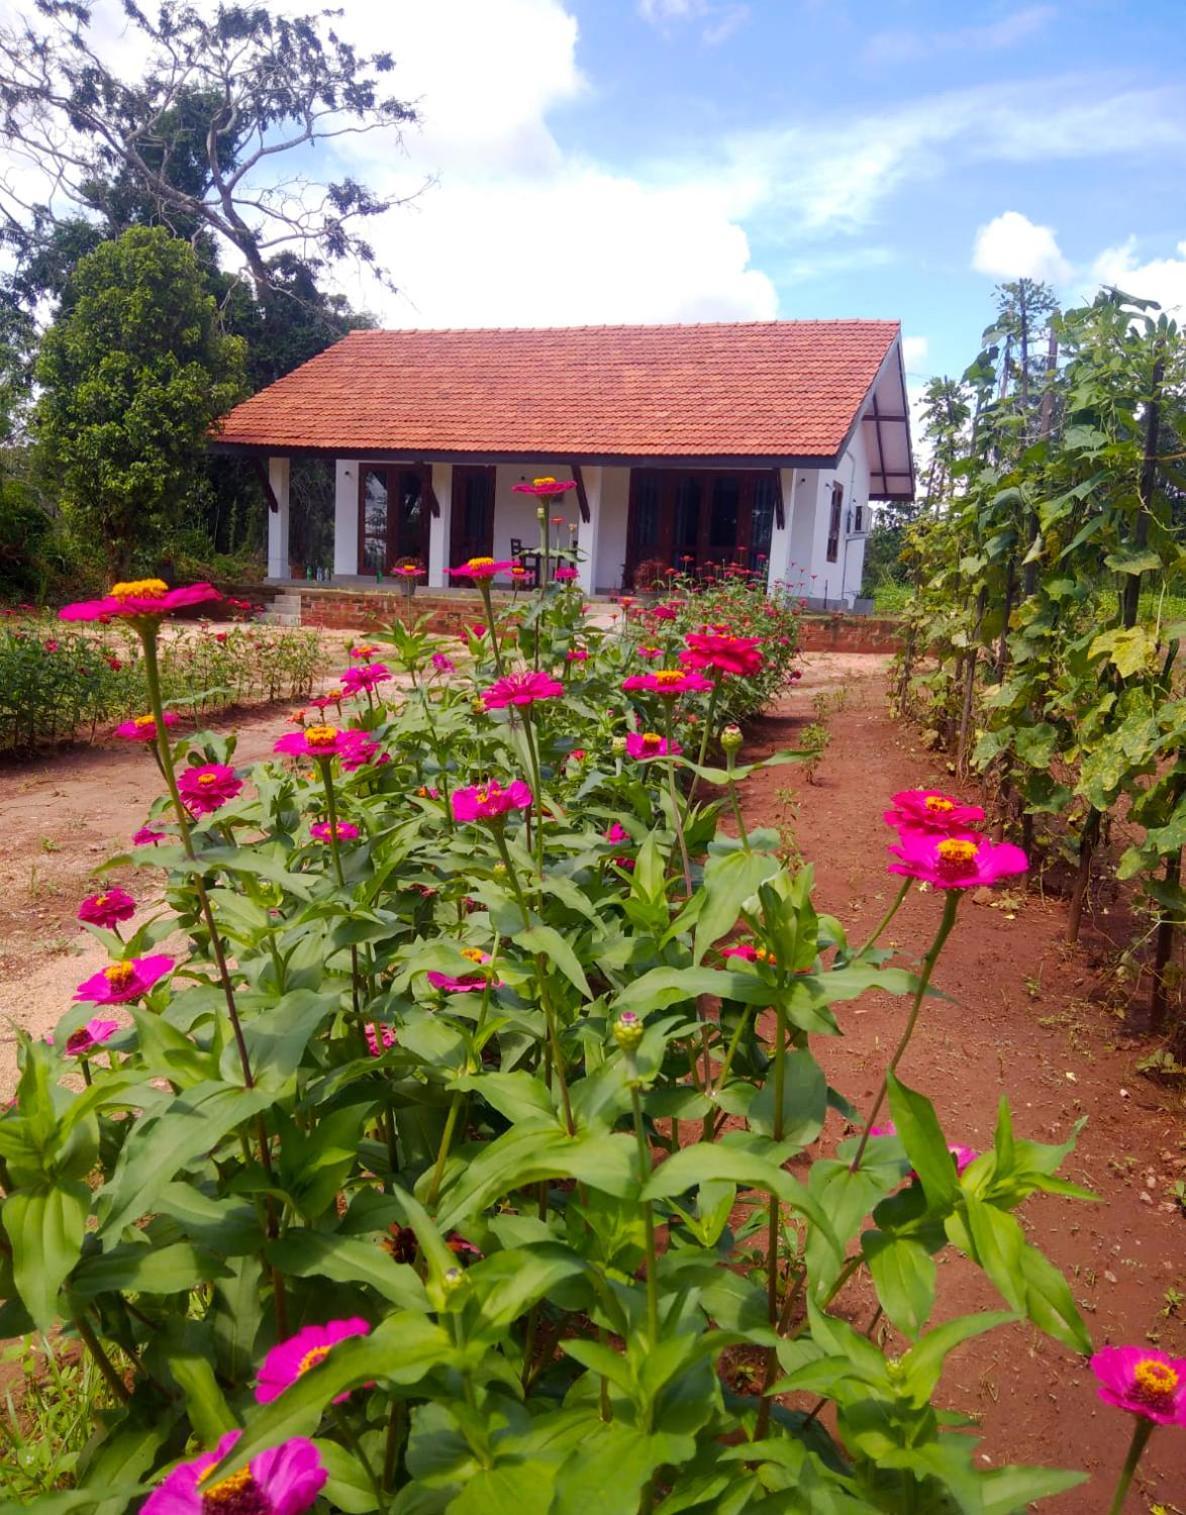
962	1156
443	664
1144	1381
347	831
284	1480
650	652
147	837
107	909
315	742
364	651
143	727
482	568
564	574
361	749
577	755
82	1043
955	862
662	612
484	802
577	654
289	1360
668	683
931	810
123	981
379	1037
324	701
521	689
139	598
617	833
545	488
469	982
728	654
649	744
208	786
365	677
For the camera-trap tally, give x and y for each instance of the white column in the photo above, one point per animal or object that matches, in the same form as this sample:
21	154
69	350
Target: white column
780	537
278	564
590	530
440	528
346	518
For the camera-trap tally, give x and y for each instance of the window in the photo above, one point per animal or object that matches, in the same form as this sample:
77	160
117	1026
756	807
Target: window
859	520
834	523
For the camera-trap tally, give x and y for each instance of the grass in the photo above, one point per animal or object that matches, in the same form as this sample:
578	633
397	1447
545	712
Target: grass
47	1415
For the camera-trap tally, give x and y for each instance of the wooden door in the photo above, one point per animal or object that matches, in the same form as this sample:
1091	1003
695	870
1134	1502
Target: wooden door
392	515
471	527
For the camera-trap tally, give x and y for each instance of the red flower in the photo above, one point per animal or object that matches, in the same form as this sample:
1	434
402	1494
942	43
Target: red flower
107	909
365	677
546	488
521	689
482	568
728	654
139	599
315	742
955	862
649	744
931	810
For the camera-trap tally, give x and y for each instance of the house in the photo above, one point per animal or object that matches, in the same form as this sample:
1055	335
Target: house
758	443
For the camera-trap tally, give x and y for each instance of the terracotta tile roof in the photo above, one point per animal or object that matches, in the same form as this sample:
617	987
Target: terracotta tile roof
772	389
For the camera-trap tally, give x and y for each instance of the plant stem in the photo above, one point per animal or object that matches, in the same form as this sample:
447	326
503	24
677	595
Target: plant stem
888	916
704	736
734	799
1141	1433
950	906
355	1446
775	1218
106	1367
488	604
676	818
648	1210
326	766
395	1426
443	1153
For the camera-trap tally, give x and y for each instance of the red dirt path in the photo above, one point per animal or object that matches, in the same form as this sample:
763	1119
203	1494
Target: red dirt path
1027	1018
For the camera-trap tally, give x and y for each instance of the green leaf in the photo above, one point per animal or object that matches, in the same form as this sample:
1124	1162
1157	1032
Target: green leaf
923	1365
925	1144
549	942
604	1161
608	1471
804	1103
728	882
660	987
205	1403
348	1260
1129	650
276	1040
518	1095
1133	560
903	1274
144	1269
347	1487
1006	1491
510	1282
46	1230
705	1162
509	1488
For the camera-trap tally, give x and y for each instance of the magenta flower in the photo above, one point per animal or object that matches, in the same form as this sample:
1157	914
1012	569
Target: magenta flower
545	488
663	613
321	830
649	744
617	833
379	1037
962	1156
364	651
955	862
208	786
577	655
143	728
366	676
668	683
931	810
1143	1381
291	1359
147	837
481	568
469	981
650	652
565	574
284	1480
443	664
362	749
521	689
315	742
86	1039
140	598
123	981
485	802
107	909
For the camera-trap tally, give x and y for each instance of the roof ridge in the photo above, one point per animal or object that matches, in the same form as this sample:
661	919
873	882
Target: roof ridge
620	326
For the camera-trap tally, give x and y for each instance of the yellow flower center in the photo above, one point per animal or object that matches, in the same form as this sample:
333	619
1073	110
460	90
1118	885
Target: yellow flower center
140	589
321	736
230	1493
547	479
311	1359
1155	1382
937	804
651	741
483	796
120	975
669	676
101	899
956	856
207	778
479	562
475	954
144	720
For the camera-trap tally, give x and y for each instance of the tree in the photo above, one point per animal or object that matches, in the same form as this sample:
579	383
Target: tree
192	142
945	412
133	373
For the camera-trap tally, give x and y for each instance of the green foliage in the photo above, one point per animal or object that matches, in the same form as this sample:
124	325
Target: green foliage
133	374
485	1184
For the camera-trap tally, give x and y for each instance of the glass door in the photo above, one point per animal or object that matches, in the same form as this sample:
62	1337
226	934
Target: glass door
392	517
372	521
471	527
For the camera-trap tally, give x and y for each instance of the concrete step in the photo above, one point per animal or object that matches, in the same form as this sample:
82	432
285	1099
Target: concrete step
281	617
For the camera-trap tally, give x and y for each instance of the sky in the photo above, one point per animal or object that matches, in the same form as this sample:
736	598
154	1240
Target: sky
683	160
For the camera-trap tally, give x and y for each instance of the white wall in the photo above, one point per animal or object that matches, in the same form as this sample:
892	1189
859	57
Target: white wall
611	538
346	517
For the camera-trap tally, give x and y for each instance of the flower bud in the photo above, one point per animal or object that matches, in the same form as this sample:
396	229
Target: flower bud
628	1030
452	1280
731	738
541	514
499	870
618	746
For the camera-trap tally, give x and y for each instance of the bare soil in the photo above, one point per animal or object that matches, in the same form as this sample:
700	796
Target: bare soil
1025	1016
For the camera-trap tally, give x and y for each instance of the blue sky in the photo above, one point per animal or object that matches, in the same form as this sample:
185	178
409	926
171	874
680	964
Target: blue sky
675	160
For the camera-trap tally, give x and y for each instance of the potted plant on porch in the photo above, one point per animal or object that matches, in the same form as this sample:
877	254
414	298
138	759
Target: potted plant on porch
406	571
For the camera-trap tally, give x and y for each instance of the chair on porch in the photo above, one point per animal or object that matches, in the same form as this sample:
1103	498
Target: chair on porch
525	559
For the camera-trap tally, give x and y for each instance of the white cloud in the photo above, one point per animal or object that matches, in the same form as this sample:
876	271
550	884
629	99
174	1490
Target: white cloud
1011	246
896	46
914	352
721	18
1160	279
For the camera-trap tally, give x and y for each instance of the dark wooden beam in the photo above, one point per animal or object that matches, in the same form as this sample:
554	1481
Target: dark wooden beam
261	472
780	505
582	497
434	505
